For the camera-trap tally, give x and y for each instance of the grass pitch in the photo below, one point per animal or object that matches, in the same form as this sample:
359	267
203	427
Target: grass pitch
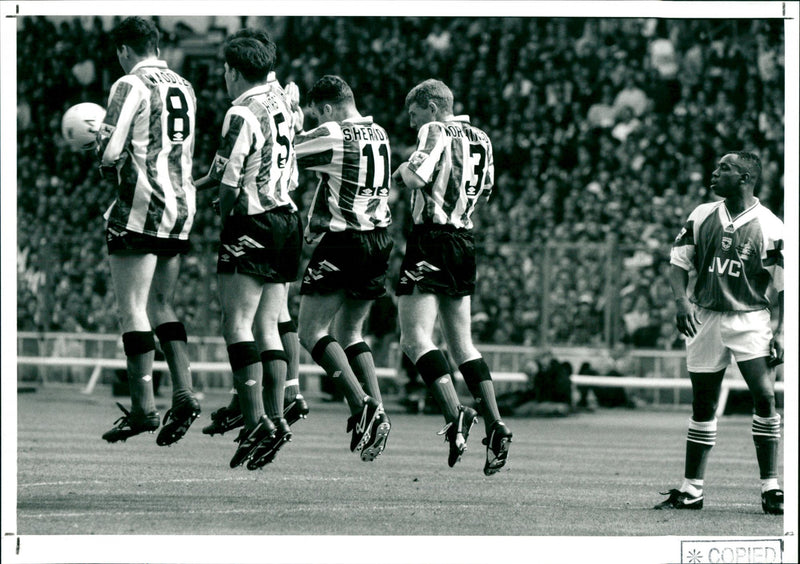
592	474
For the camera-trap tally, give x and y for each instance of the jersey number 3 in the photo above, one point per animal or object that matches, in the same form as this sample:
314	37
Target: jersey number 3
477	158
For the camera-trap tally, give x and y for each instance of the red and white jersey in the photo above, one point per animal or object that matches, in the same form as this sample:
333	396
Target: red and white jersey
149	133
352	161
256	153
734	259
455	161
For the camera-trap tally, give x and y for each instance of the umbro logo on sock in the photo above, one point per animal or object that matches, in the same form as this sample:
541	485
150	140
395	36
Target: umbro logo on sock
250	383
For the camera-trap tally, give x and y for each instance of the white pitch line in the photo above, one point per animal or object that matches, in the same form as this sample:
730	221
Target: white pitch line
147	513
244	478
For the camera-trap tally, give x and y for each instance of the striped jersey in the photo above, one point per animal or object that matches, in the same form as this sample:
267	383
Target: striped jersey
352	161
255	153
149	133
455	161
734	259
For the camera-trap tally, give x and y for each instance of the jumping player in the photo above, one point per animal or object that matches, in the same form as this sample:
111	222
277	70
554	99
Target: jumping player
230	417
145	145
260	242
349	216
735	247
451	168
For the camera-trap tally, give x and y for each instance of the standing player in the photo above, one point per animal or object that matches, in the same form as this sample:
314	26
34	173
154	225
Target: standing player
145	145
260	242
449	170
230	417
347	271
735	246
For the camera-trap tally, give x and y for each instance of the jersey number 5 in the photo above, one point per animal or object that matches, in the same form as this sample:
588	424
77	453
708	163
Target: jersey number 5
281	139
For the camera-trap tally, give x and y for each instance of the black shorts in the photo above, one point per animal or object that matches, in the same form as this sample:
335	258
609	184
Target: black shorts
266	246
120	241
353	261
440	259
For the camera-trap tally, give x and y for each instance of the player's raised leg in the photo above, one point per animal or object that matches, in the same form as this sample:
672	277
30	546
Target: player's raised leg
274	364
131	275
347	329
456	326
171	334
240	295
316	313
417	313
295	405
348	325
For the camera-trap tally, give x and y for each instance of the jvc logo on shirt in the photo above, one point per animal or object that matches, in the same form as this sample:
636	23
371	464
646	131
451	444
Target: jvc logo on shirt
728	266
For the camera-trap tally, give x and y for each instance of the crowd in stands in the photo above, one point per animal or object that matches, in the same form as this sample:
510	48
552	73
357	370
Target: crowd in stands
605	134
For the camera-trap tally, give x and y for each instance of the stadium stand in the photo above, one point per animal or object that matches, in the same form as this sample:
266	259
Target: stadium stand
605	133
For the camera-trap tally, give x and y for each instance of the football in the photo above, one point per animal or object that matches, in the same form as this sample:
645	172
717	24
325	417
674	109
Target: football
80	124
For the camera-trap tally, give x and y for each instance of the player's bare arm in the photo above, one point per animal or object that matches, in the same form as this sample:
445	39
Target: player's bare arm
205	183
406	176
227	199
685	318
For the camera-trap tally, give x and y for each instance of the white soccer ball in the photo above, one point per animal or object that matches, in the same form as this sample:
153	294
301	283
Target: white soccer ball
80	124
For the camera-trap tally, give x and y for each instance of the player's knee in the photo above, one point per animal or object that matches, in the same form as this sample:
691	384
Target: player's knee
309	335
703	409
764	403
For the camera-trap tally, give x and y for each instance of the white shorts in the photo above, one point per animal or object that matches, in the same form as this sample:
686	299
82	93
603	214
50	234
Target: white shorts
745	334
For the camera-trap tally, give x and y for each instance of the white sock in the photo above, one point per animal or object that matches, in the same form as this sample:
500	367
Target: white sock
692	486
769	484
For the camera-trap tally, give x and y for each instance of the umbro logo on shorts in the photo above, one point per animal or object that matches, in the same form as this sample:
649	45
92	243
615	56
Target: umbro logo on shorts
244	242
421	268
320	270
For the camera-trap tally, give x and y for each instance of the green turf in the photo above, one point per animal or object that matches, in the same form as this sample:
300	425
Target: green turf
594	474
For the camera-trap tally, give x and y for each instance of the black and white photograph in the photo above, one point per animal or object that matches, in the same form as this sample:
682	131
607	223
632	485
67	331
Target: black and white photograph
399	282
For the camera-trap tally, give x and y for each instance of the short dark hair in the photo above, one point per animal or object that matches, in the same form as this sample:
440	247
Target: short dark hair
331	89
751	162
431	90
258	34
138	33
252	58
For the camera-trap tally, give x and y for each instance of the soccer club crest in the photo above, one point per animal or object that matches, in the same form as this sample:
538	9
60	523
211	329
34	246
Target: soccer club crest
218	166
726	243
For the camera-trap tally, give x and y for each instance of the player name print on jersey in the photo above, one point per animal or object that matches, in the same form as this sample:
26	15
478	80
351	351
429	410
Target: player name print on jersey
256	150
455	160
148	133
352	160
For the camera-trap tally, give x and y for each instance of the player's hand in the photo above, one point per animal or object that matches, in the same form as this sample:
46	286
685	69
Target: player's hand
215	206
312	238
293	93
397	176
775	352
109	172
685	319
